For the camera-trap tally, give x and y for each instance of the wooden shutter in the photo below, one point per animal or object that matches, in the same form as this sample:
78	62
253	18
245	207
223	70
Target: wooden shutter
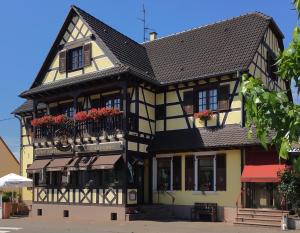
87	54
189	173
188	102
223	97
62	61
221	172
160	112
177	173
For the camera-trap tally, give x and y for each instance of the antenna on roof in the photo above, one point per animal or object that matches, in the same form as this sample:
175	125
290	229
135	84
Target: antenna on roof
143	19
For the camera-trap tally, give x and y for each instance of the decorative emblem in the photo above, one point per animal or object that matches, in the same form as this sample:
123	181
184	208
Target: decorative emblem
65	131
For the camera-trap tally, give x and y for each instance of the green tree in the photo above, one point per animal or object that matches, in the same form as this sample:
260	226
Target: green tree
275	117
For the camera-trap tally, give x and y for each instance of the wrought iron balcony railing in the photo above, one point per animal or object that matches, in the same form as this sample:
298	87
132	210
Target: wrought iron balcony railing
88	128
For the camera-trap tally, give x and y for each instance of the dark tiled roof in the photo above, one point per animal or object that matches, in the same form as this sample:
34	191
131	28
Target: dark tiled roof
197	139
27	106
217	49
224	47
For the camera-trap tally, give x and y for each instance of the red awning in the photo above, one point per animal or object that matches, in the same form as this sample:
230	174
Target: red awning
262	173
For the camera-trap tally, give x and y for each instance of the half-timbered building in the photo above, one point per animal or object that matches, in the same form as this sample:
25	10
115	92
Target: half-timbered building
110	125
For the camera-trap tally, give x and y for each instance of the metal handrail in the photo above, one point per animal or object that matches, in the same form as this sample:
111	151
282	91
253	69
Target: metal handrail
238	199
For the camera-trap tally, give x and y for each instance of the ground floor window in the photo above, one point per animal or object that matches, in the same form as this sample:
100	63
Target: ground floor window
169	173
164	174
80	178
206	173
202	172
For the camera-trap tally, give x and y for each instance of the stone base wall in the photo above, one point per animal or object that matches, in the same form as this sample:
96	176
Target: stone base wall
77	212
225	214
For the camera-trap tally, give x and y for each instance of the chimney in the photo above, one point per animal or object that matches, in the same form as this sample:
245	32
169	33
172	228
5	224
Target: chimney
153	36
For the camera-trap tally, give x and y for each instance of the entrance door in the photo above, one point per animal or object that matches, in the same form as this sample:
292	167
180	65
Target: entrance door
260	195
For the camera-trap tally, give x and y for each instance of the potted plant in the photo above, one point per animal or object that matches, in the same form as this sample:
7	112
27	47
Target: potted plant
6	205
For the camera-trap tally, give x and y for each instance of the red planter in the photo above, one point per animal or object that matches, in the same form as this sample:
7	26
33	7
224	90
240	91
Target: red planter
6	209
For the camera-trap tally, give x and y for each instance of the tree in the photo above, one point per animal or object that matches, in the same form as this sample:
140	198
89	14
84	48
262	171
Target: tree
271	112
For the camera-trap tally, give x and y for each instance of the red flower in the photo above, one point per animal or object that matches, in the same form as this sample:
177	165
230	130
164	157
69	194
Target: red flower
44	120
81	116
204	115
59	119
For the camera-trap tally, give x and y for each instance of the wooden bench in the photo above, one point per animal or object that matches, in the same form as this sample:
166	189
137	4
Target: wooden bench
207	209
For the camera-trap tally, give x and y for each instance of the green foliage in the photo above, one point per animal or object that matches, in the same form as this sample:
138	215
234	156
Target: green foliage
289	188
6	196
271	112
296	165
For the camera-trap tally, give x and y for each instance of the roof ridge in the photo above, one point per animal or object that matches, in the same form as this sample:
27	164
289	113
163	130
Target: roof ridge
211	24
127	37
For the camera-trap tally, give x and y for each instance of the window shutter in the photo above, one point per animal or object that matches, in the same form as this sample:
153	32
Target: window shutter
87	54
221	172
189	173
62	61
188	102
177	173
160	112
223	101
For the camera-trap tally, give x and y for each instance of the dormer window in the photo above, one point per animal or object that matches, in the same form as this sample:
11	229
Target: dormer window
75	59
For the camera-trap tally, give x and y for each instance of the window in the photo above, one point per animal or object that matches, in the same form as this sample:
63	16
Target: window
75	59
208	99
189	173
113	103
169	173
67	110
211	173
160	112
164	173
206	173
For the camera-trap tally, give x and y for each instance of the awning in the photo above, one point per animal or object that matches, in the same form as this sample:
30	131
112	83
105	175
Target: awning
262	173
58	164
38	165
106	162
81	163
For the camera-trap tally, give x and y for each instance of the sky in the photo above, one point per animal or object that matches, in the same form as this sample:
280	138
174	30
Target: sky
28	29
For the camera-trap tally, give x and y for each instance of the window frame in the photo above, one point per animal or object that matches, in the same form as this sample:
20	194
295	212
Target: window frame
106	98
80	66
206	90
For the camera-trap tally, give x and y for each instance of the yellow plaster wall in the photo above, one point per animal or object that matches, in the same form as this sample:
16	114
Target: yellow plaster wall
99	60
223	198
175	109
26	159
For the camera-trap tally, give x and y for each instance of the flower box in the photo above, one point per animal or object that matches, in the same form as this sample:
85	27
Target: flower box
204	115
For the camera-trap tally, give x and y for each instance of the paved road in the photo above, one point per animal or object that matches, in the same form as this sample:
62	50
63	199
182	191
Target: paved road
28	225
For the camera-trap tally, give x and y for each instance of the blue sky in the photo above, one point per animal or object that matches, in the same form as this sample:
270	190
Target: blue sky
29	27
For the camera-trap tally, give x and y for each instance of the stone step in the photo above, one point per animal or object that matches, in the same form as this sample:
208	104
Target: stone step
262	212
265	216
258	224
258	220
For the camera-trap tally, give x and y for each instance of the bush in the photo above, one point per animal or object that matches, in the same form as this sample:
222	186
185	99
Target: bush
289	189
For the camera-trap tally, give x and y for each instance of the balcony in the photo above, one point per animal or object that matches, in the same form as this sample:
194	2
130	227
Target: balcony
110	125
